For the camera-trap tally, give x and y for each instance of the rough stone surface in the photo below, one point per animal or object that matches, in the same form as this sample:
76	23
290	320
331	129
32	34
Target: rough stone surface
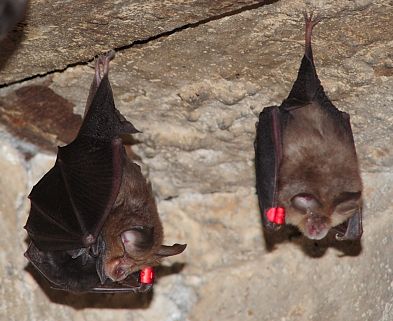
56	33
196	95
40	116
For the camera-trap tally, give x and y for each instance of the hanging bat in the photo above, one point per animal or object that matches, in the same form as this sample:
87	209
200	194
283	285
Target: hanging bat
307	172
93	222
11	12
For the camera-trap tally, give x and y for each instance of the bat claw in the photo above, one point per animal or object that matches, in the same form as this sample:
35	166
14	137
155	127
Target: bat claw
102	65
311	21
78	252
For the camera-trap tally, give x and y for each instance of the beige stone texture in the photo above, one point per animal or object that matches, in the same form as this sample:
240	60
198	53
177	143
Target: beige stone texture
196	94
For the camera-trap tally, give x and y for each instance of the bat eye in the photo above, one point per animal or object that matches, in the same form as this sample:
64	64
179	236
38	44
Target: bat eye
305	202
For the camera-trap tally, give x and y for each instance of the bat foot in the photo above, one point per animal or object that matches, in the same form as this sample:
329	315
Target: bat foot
311	21
102	65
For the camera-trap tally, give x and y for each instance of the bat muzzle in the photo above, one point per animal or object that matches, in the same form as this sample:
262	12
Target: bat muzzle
316	227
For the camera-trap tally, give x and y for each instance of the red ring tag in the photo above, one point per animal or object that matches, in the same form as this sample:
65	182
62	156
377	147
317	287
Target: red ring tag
276	215
146	275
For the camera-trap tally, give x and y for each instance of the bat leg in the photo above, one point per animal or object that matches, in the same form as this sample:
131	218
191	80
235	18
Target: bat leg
107	58
98	247
307	84
310	24
62	271
97	72
82	253
101	269
78	252
102	66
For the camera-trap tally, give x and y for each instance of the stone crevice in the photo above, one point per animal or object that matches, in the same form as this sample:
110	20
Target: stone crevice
147	40
195	94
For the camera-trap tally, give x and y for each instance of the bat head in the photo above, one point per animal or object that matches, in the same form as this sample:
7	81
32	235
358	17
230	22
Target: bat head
315	218
133	232
139	249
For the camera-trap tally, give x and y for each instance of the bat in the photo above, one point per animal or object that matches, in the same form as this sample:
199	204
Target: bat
11	12
307	173
93	222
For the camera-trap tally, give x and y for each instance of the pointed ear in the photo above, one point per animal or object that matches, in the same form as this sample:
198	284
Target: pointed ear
166	250
138	239
354	229
347	202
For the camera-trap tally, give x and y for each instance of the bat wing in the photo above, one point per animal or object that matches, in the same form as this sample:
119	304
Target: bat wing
103	121
70	204
78	274
72	201
268	153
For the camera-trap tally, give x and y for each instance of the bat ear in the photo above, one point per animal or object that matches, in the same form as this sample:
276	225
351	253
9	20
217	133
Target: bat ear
166	250
138	239
347	202
354	229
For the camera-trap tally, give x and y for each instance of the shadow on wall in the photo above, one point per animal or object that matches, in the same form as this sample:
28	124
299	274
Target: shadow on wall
312	248
100	300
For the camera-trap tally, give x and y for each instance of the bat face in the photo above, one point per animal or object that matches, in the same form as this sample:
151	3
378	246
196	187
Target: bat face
314	219
93	220
305	160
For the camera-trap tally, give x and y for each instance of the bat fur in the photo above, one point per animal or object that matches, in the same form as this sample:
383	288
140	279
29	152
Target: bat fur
306	159
93	220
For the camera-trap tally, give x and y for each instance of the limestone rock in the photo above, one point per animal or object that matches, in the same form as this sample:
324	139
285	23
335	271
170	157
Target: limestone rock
196	94
56	34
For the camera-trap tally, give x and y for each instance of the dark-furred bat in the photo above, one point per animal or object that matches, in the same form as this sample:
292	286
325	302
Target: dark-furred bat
307	172
11	12
93	221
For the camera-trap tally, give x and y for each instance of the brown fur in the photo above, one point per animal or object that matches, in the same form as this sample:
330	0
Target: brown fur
133	231
134	207
319	159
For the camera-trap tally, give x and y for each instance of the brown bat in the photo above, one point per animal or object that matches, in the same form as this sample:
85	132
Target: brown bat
307	172
93	221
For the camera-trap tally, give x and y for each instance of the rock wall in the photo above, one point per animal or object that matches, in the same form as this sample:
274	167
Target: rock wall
193	77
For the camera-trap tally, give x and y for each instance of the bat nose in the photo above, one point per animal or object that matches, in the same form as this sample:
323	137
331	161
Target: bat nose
317	227
114	270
